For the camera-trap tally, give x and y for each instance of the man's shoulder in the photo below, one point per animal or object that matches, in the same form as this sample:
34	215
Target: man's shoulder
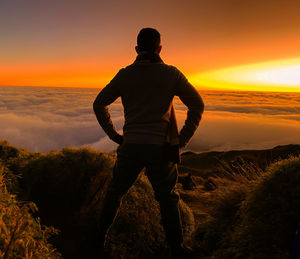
162	65
172	68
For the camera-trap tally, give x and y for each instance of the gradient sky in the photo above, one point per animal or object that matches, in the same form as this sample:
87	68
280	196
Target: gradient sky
84	43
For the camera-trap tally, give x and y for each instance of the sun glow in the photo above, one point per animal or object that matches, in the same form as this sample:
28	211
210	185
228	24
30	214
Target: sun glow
277	75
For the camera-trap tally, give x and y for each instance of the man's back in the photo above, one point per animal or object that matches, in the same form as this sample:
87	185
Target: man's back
147	90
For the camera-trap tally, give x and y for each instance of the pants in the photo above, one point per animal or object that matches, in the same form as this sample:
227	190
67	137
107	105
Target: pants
162	174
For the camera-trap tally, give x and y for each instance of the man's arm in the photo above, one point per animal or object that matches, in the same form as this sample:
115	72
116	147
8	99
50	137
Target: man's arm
107	96
191	98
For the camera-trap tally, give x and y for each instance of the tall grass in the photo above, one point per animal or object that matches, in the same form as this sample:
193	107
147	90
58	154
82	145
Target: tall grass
253	214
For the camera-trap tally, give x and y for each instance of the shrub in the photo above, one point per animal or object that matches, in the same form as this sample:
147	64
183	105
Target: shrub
254	219
21	235
67	187
137	231
270	214
223	203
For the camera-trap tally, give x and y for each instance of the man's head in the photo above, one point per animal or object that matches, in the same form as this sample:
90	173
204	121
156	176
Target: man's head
148	40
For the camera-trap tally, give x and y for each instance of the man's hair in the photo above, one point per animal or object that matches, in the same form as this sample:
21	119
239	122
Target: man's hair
148	39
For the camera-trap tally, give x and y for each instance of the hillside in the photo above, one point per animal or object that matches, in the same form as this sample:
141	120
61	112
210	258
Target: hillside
209	163
68	187
220	212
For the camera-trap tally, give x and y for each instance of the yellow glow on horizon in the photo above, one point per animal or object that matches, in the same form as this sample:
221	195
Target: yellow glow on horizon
277	75
281	75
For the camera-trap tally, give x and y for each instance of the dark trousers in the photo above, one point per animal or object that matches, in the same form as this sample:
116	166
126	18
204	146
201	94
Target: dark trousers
162	174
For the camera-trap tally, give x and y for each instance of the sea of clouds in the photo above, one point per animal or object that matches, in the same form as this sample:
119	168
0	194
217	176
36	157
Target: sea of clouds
44	119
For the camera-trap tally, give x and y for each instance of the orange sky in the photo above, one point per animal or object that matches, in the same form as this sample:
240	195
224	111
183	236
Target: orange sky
84	43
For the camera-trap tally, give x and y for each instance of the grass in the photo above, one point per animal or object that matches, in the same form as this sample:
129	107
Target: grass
253	214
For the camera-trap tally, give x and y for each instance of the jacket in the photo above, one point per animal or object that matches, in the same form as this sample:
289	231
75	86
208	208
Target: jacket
147	88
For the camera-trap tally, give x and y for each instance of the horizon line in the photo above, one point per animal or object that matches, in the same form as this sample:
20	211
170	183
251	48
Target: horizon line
198	88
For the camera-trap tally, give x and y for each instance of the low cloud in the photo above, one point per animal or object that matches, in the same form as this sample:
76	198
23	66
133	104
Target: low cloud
224	131
42	119
36	134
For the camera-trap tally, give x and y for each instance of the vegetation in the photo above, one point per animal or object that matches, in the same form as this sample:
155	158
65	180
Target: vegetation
21	235
68	187
137	232
242	207
253	217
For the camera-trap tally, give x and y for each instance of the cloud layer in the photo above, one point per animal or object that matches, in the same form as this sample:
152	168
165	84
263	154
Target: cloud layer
42	119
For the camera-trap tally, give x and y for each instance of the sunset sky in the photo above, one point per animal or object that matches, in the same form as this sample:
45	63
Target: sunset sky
243	45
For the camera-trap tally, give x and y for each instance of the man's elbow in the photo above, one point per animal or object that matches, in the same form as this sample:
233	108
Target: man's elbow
96	106
200	105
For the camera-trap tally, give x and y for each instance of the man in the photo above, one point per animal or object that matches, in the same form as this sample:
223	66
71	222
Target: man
150	136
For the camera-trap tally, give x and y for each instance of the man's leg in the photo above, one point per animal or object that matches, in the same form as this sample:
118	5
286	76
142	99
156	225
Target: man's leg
163	177
125	172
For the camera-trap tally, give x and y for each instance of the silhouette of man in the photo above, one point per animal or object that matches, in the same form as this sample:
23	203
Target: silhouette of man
150	136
